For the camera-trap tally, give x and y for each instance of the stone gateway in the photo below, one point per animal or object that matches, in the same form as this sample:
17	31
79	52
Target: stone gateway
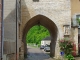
58	16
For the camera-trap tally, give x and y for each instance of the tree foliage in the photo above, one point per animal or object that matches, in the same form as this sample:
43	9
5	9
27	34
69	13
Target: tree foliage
78	20
36	34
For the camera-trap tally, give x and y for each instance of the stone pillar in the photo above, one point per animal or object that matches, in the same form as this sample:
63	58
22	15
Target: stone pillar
52	47
74	36
57	51
76	39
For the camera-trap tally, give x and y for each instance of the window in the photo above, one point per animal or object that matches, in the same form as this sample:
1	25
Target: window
35	0
78	18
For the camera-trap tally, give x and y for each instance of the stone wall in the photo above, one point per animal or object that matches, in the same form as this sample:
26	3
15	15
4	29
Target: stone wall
59	11
10	20
10	29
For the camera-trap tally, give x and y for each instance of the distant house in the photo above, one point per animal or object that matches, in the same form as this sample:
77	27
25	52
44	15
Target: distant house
46	40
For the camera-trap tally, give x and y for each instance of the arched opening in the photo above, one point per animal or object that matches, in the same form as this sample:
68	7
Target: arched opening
38	36
46	22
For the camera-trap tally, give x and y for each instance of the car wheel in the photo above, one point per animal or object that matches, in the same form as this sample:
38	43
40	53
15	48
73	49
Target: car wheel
44	50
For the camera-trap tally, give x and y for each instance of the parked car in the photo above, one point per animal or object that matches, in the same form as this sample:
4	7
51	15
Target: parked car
42	47
47	48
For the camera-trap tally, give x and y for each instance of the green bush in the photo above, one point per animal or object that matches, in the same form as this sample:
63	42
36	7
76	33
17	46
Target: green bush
66	45
69	57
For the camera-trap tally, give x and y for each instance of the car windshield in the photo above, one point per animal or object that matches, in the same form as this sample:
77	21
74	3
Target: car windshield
47	45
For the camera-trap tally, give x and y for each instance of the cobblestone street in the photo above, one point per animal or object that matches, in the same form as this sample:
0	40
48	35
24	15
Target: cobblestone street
37	54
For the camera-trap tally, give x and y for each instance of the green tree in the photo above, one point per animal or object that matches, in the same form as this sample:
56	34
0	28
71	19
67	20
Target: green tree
36	34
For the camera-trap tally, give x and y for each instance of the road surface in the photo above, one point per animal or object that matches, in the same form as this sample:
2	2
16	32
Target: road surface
37	54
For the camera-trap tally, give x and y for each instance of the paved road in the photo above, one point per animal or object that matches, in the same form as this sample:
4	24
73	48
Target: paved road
37	54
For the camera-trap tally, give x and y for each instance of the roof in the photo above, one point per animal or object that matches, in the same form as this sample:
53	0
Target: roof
47	38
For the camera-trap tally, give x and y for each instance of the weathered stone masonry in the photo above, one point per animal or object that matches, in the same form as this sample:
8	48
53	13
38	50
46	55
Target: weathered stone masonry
59	11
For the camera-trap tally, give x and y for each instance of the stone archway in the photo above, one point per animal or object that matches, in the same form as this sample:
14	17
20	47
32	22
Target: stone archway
46	22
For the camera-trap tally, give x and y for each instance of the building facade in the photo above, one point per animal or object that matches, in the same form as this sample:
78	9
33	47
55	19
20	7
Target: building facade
75	13
52	14
58	16
46	41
